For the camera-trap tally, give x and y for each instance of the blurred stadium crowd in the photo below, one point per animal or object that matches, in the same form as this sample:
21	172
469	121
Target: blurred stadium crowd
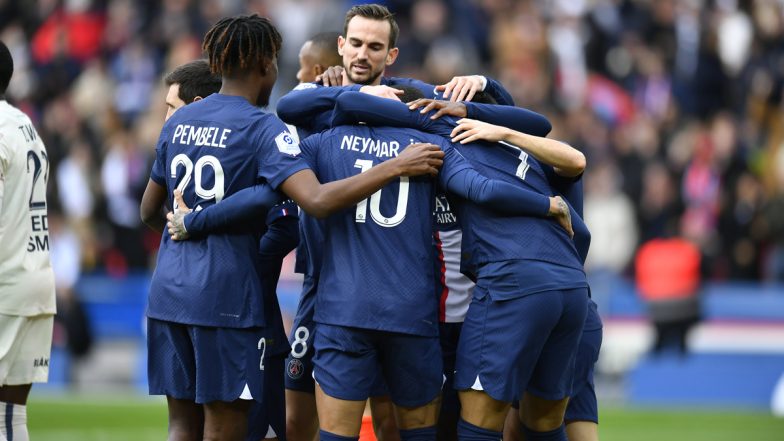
677	104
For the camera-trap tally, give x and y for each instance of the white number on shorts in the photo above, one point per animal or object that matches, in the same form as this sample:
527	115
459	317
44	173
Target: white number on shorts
375	201
263	349
216	192
300	345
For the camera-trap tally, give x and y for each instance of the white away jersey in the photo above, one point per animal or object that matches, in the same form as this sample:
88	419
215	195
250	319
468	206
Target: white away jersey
26	277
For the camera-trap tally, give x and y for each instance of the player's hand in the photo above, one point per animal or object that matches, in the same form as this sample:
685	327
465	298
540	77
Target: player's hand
559	209
420	159
444	108
461	88
176	219
470	130
382	91
333	76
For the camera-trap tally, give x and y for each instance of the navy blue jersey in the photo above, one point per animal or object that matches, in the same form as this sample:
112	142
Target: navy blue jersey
372	274
209	150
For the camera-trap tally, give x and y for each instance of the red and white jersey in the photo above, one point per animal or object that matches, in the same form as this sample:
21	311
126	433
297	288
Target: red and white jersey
26	276
454	289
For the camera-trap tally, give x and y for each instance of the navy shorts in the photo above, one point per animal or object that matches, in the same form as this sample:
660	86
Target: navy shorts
204	364
527	343
582	406
348	361
267	419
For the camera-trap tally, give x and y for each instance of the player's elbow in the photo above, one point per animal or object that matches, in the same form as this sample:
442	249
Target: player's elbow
316	206
579	163
573	165
148	216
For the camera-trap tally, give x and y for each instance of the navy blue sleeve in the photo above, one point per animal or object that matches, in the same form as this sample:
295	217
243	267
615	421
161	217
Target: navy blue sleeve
582	236
305	105
356	107
515	118
458	177
247	205
158	172
281	238
497	91
428	90
498	195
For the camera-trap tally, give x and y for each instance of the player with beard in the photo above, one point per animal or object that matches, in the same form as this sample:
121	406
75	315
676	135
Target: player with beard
368	46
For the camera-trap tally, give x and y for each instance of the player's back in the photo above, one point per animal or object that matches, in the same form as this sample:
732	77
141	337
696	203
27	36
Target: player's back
209	150
26	277
376	271
488	237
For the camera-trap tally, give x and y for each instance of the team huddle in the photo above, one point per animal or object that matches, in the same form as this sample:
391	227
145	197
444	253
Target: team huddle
438	230
441	244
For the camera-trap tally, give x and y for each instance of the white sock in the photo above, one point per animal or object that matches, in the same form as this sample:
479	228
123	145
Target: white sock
13	422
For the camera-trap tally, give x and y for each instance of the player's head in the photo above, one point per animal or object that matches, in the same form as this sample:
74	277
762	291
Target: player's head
244	49
409	94
6	68
369	43
316	55
188	83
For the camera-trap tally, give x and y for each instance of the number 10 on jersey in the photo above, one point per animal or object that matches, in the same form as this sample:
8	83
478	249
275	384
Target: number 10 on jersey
375	201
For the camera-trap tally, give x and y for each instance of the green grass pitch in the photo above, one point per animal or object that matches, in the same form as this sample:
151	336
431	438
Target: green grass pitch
131	417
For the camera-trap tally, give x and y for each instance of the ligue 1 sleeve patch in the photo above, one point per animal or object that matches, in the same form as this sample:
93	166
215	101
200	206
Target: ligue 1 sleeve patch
286	144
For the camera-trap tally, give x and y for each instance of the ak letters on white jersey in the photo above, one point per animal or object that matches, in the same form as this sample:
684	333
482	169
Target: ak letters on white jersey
26	277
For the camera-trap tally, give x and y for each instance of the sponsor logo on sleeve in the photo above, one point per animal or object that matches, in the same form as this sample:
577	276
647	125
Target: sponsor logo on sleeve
286	144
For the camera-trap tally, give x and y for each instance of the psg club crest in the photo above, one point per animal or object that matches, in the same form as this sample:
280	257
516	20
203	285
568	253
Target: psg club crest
295	369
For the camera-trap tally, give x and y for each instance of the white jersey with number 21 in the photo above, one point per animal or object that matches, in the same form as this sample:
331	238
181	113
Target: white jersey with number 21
26	277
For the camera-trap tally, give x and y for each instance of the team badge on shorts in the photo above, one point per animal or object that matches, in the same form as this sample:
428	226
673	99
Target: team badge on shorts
295	369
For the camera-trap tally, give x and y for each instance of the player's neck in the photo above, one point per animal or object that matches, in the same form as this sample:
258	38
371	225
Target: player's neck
233	88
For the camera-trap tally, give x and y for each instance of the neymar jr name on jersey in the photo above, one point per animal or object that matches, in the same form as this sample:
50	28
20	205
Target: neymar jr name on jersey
200	136
376	147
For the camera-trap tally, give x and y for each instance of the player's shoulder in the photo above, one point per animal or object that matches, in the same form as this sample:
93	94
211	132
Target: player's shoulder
12	116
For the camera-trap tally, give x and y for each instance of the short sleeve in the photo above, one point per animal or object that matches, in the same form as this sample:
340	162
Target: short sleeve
5	157
158	172
278	152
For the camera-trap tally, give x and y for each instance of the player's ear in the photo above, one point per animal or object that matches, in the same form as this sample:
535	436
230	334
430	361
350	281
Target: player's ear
318	69
341	43
197	98
392	56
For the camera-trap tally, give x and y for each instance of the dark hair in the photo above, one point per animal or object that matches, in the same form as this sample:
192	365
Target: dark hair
238	44
374	11
326	43
409	93
195	79
6	67
483	97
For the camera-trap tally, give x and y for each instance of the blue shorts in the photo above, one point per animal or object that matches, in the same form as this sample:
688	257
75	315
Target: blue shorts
582	406
348	361
299	363
267	419
204	364
522	344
